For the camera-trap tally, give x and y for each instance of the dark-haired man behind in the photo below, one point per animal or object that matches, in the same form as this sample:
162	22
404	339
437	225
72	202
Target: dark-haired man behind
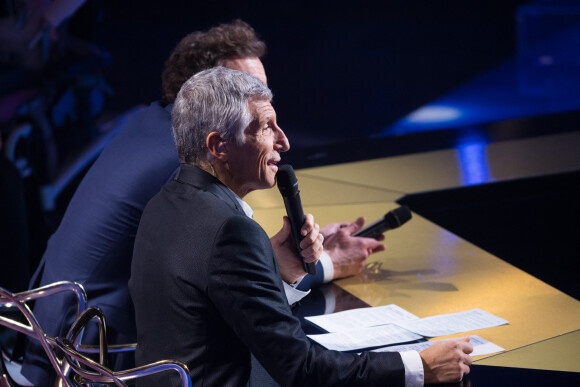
94	243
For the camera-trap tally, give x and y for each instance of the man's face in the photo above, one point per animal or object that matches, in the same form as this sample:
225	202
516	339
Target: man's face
253	164
251	65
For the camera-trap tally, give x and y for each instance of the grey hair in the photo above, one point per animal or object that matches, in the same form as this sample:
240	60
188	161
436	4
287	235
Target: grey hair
213	100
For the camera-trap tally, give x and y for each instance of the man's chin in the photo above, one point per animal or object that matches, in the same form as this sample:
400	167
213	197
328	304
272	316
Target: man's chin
270	184
264	185
270	181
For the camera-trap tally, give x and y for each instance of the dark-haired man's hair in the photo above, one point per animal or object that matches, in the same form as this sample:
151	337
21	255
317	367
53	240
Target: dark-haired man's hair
202	50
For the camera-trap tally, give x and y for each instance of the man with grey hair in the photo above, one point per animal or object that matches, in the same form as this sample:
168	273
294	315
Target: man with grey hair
205	282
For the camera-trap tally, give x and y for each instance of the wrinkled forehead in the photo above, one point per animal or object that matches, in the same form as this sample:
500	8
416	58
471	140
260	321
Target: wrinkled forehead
261	109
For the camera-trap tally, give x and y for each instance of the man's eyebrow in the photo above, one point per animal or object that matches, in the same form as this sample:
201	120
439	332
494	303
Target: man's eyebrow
269	118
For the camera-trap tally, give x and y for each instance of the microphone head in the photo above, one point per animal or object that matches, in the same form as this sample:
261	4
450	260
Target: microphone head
398	216
286	179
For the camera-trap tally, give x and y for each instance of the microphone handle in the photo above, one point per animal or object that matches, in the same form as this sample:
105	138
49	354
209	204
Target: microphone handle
296	216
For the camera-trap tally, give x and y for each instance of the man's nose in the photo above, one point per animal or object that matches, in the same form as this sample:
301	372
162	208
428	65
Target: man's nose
282	141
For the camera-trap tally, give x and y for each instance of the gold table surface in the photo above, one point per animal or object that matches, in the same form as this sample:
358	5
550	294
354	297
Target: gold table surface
559	353
428	270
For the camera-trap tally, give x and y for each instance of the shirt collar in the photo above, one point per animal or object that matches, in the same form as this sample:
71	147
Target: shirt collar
245	206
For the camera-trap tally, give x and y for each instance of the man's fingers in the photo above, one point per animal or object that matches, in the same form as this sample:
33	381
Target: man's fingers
379	247
311	237
380	237
284	232
467	359
358	224
466	345
308	225
312	252
351	228
465	369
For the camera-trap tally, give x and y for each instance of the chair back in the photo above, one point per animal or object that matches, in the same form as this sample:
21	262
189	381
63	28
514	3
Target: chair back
29	324
69	358
87	372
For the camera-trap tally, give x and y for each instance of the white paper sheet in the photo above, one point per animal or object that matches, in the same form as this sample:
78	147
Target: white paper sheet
480	346
361	318
365	338
449	324
360	328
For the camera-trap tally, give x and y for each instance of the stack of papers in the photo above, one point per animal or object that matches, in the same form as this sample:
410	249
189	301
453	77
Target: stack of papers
365	328
371	337
361	318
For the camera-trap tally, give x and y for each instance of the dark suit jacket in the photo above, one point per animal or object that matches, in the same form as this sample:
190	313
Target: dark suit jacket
207	291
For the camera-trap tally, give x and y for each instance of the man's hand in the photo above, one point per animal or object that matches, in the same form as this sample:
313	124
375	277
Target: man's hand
447	361
348	254
289	261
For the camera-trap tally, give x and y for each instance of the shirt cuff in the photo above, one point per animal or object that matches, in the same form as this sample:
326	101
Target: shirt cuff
327	267
414	373
293	295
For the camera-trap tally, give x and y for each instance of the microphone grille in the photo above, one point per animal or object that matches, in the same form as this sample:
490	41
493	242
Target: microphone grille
398	216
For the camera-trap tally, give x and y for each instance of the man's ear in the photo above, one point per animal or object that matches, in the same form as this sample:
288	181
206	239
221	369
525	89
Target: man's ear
216	145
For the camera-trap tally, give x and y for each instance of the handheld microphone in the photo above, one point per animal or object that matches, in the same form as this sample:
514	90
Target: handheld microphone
288	186
392	219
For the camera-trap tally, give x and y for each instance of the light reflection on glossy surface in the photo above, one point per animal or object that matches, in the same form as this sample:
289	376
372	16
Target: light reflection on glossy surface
472	157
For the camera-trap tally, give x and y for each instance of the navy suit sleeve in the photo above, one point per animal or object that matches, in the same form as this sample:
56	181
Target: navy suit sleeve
309	281
246	288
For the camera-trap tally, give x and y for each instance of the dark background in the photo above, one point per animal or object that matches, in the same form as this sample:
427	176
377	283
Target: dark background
339	69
